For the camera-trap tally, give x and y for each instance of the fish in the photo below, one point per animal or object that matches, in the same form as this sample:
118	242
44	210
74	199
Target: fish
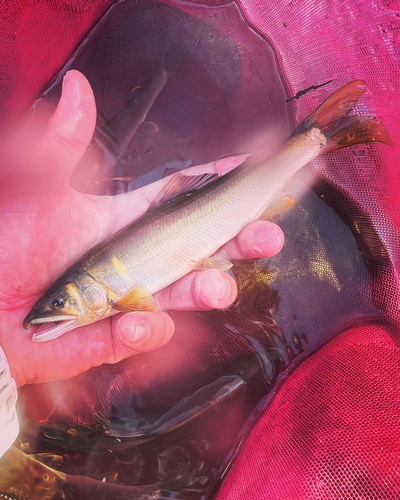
111	140
189	220
23	477
123	433
115	434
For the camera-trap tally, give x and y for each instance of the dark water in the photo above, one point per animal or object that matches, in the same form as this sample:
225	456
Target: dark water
223	89
167	424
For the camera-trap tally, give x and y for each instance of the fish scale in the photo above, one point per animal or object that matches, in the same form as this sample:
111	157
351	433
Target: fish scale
190	234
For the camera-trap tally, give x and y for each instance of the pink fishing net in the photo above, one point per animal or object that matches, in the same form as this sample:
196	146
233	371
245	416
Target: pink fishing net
331	430
292	393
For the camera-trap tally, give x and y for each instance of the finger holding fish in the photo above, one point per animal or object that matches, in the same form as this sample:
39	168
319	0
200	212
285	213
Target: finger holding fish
199	291
108	341
258	240
140	332
213	289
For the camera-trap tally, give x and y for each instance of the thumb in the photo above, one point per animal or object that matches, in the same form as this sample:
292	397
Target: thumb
70	129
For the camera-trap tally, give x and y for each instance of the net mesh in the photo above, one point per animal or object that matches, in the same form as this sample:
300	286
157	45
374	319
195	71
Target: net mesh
331	430
305	421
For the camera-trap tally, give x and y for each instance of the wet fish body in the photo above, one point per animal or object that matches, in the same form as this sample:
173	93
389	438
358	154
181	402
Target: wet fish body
175	239
178	237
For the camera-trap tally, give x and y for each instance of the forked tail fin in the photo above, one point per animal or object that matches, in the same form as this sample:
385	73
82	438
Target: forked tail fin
341	130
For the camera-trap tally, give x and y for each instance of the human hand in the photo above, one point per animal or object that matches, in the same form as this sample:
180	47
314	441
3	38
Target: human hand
46	225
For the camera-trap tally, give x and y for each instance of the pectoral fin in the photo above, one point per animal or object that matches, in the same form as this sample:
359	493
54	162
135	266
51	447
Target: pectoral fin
219	261
280	205
139	299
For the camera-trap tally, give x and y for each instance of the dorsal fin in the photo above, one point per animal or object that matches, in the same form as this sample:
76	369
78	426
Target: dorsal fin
180	184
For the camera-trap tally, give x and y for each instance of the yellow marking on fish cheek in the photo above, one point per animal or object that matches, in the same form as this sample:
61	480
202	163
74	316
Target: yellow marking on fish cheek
119	266
70	289
73	297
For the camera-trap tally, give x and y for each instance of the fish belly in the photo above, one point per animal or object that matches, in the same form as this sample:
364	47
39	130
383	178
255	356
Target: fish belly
157	253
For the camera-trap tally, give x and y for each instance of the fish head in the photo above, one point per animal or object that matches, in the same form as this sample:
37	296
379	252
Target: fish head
78	301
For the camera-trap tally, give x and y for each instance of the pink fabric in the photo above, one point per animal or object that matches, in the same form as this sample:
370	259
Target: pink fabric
36	40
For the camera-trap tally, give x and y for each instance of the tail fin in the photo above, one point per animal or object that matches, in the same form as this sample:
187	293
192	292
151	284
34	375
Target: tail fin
341	130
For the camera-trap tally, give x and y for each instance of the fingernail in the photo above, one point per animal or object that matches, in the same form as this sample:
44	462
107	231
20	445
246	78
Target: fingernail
134	333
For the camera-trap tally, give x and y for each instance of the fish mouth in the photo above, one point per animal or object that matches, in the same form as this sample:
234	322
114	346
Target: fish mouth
52	327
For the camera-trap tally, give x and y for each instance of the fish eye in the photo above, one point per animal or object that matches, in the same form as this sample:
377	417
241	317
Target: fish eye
57	301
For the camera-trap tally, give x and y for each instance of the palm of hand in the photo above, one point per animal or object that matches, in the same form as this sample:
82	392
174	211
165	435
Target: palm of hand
46	225
39	242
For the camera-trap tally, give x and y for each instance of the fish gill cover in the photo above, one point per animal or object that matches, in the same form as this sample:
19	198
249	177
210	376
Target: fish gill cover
157	426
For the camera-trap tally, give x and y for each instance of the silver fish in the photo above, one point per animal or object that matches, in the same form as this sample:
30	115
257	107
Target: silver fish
179	236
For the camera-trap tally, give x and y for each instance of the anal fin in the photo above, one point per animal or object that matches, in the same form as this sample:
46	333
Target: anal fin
218	261
138	299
